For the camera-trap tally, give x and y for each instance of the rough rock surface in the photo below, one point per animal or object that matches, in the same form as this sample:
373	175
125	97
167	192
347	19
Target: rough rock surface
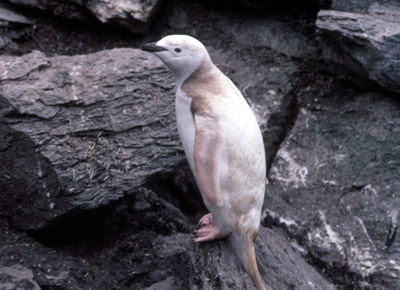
135	15
79	132
337	173
366	44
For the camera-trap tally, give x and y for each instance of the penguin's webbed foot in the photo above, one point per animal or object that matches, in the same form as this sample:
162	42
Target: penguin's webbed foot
209	230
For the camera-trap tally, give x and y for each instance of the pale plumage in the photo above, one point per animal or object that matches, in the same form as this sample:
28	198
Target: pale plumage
222	142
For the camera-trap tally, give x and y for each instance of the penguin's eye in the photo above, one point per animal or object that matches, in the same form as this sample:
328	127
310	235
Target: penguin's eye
178	50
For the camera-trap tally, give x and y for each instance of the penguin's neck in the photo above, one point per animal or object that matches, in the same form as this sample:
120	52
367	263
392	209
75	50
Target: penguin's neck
205	66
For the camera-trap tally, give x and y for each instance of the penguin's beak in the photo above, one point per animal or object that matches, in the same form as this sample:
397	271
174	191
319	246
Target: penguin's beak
152	47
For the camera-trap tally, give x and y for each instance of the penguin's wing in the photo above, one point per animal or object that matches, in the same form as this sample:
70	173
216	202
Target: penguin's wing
207	150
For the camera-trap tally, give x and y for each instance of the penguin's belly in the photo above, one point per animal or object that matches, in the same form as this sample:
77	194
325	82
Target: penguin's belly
243	170
242	167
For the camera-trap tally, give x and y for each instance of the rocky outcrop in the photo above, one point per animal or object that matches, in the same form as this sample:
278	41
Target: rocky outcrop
367	44
134	15
79	132
336	173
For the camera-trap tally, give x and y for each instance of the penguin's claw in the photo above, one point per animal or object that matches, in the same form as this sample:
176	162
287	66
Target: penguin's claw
205	220
209	230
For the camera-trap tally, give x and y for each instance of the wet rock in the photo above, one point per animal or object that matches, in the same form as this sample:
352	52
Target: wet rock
79	132
134	15
334	187
365	44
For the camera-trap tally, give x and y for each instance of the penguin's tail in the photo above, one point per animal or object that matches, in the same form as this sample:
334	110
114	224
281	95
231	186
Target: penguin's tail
250	262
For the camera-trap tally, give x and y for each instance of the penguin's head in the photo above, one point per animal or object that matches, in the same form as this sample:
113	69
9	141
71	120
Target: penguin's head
182	54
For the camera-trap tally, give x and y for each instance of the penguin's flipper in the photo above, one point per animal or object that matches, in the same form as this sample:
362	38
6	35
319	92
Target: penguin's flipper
207	150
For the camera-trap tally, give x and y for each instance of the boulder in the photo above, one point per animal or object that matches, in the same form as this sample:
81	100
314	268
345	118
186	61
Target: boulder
367	44
79	132
135	15
334	185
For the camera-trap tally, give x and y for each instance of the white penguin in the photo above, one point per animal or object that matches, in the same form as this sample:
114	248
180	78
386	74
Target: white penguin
222	142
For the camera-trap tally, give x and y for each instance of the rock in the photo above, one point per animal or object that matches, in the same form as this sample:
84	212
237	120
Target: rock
106	256
13	27
17	277
129	13
334	185
66	9
365	44
80	132
8	15
355	5
257	4
218	265
135	15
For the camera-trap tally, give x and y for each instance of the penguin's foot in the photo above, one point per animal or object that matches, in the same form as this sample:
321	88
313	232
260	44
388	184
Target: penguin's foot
205	220
209	230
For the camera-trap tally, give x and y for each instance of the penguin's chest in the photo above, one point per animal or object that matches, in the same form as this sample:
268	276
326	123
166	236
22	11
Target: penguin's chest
185	123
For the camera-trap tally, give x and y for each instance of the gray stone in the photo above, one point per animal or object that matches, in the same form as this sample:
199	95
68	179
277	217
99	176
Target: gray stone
82	131
7	14
218	265
17	277
334	186
366	44
152	251
135	15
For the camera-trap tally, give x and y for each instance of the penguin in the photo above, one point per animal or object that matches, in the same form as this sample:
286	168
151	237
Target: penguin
222	142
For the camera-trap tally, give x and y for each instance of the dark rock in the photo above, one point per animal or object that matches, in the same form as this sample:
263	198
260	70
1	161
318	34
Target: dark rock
82	131
134	15
366	44
285	4
13	27
355	5
219	267
143	250
334	186
8	15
